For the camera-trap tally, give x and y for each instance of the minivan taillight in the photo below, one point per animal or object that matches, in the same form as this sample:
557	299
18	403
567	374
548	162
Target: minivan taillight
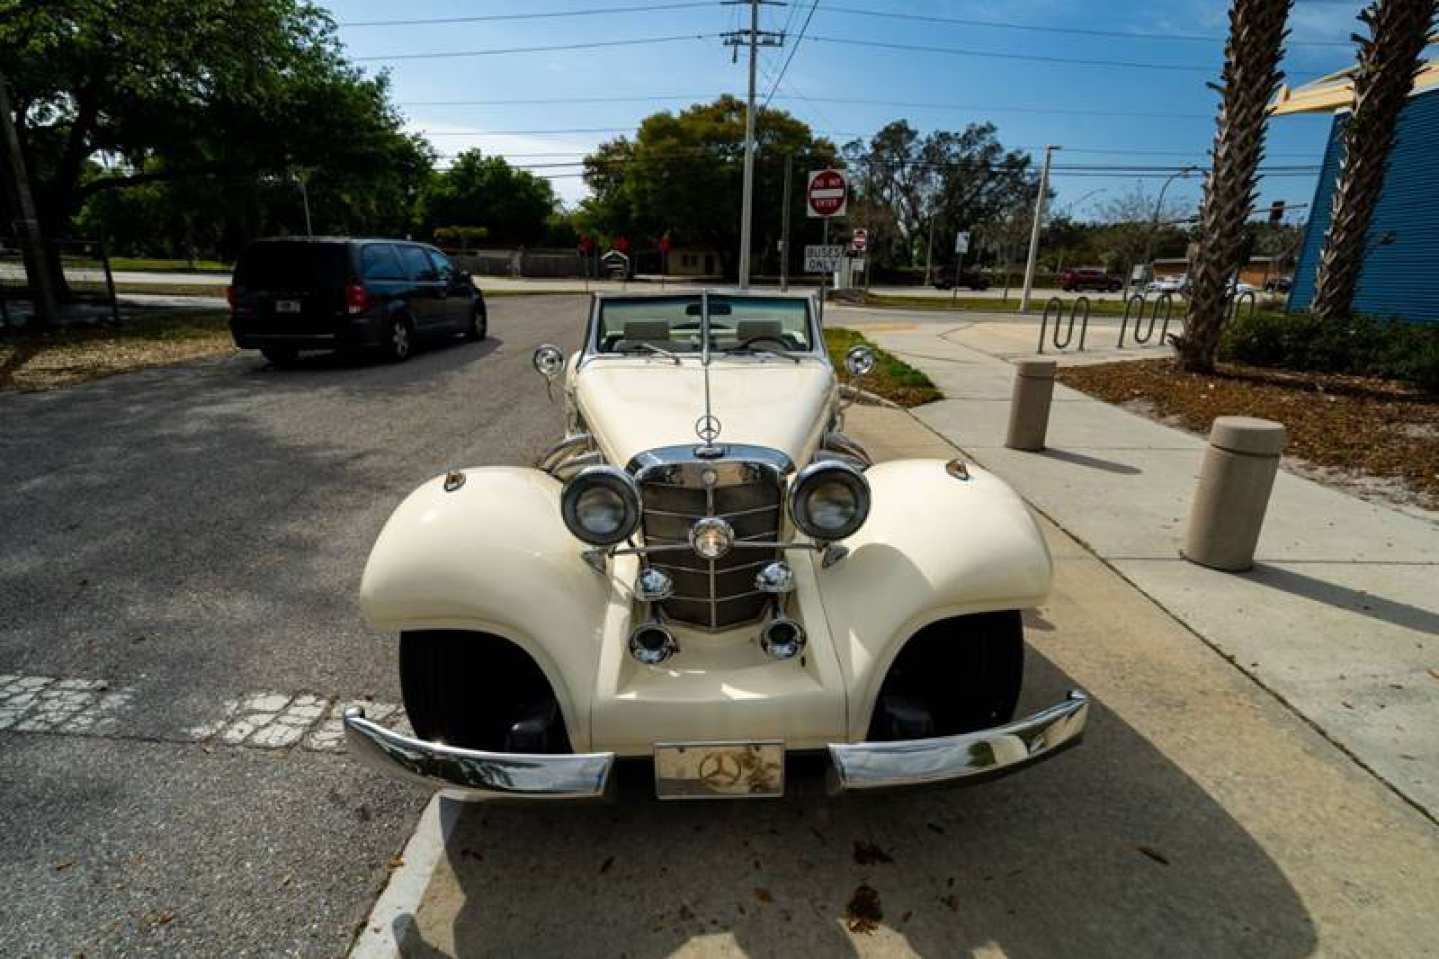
357	298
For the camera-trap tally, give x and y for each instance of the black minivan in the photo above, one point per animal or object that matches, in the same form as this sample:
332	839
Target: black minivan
337	293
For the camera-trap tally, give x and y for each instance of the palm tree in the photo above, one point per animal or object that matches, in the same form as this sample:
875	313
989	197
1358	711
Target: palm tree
1383	76
1251	75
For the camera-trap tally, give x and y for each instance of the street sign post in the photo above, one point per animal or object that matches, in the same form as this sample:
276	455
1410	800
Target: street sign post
859	242
827	194
961	242
961	247
822	258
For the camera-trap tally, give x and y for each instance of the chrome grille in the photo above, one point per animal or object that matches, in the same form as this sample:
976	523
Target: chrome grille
748	494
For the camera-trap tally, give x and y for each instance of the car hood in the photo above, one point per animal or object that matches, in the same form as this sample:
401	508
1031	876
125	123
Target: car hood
635	404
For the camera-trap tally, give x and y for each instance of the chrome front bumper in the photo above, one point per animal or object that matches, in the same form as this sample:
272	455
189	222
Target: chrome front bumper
986	753
472	774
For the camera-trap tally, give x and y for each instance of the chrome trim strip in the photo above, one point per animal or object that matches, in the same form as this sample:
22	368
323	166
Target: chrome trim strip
474	774
943	758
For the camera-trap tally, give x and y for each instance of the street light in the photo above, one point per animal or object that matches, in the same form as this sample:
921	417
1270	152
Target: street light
305	198
1154	224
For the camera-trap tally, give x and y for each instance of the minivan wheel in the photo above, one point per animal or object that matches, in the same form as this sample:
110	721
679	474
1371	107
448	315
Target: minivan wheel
479	325
399	340
280	355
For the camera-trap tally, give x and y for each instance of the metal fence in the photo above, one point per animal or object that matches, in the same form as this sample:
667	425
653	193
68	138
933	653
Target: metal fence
520	262
85	272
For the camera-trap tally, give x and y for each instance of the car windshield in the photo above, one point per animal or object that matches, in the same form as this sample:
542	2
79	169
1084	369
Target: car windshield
675	324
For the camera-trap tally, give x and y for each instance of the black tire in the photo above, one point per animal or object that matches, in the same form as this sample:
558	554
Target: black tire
478	691
479	327
280	355
954	676
399	340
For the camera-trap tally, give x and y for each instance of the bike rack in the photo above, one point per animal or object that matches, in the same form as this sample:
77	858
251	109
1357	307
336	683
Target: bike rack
1056	304
1165	299
1234	304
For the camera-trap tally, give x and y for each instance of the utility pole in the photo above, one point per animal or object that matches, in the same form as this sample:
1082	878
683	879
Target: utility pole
37	265
1034	230
929	251
784	229
305	199
754	39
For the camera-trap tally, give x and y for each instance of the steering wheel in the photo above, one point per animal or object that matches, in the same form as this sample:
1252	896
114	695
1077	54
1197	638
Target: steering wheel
744	345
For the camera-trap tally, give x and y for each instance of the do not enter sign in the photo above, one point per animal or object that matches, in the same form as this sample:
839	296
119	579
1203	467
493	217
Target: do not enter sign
827	193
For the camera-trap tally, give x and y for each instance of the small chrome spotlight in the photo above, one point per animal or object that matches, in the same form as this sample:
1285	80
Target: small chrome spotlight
782	638
652	644
775	577
654	585
711	537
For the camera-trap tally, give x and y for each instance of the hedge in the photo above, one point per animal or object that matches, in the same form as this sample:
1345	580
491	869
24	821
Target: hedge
1361	346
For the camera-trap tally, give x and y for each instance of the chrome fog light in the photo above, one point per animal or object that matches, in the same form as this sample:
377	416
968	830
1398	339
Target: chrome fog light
654	585
775	577
782	638
652	644
711	537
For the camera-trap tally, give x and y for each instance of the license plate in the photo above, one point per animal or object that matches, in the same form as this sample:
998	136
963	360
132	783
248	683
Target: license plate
743	770
287	306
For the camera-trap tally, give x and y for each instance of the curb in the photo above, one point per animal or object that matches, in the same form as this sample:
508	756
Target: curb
394	912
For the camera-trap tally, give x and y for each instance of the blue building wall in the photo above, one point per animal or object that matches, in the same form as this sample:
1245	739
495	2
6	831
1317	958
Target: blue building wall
1401	279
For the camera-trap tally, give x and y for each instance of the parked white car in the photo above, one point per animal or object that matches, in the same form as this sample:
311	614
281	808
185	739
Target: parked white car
1167	284
706	572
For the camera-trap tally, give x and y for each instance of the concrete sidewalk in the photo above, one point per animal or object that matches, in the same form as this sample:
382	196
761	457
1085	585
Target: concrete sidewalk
1339	617
1200	817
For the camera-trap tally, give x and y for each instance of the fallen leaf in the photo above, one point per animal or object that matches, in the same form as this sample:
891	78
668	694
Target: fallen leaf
863	911
605	866
396	862
867	853
935	827
763	895
951	901
62	866
1154	854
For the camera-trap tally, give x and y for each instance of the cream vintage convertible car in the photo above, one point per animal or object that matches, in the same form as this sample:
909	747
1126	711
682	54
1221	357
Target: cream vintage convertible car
707	574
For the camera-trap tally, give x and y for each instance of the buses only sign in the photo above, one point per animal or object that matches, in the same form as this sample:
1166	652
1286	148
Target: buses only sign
826	194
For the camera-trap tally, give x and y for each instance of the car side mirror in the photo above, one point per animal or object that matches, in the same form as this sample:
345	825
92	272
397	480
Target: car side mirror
859	361
549	362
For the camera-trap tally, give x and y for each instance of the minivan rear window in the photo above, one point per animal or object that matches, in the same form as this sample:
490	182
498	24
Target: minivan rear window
292	265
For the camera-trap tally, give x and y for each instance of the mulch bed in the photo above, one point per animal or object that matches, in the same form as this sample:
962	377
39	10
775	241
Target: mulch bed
1360	427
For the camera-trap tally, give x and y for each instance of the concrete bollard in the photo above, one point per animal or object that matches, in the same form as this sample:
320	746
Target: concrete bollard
1029	405
1234	485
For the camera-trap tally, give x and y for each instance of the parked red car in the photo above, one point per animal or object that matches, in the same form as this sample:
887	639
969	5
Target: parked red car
1089	278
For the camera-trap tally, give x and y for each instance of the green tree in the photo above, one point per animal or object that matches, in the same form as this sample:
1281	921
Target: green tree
681	175
239	97
513	205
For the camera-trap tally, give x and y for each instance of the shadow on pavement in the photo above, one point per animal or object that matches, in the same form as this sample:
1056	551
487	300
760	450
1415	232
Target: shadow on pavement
1346	598
1093	462
1107	850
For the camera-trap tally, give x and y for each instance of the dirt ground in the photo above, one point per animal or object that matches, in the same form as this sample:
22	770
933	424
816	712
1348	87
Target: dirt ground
1378	435
74	354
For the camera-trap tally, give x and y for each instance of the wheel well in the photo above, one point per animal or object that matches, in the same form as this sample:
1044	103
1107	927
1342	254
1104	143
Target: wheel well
954	675
471	689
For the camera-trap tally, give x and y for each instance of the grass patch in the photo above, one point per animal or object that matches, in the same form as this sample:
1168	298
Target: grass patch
147	265
174	289
1354	428
893	379
56	358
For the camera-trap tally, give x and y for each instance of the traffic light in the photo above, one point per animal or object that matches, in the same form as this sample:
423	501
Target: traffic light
1276	212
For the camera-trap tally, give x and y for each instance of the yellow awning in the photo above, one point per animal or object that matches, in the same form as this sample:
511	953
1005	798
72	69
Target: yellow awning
1335	92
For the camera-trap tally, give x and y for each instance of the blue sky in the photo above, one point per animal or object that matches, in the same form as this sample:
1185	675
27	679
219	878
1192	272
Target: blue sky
1176	128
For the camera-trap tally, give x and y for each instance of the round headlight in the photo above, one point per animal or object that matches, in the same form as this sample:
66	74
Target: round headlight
829	500
601	505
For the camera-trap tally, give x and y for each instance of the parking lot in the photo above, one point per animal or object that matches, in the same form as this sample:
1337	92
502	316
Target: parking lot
183	549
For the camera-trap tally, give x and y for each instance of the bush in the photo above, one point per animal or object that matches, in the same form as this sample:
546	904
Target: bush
1360	346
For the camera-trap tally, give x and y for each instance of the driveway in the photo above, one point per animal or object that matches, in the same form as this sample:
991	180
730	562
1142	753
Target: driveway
182	553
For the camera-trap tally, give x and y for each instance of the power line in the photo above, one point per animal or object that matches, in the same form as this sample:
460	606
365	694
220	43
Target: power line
486	18
1080	31
1034	58
590	45
793	50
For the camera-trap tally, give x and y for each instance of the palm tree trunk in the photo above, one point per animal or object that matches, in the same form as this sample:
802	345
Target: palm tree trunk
1251	75
1384	74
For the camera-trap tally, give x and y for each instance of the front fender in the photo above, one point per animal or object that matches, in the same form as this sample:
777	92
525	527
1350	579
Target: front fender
934	546
494	556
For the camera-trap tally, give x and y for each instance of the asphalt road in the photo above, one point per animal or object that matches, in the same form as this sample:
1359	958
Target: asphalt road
180	545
